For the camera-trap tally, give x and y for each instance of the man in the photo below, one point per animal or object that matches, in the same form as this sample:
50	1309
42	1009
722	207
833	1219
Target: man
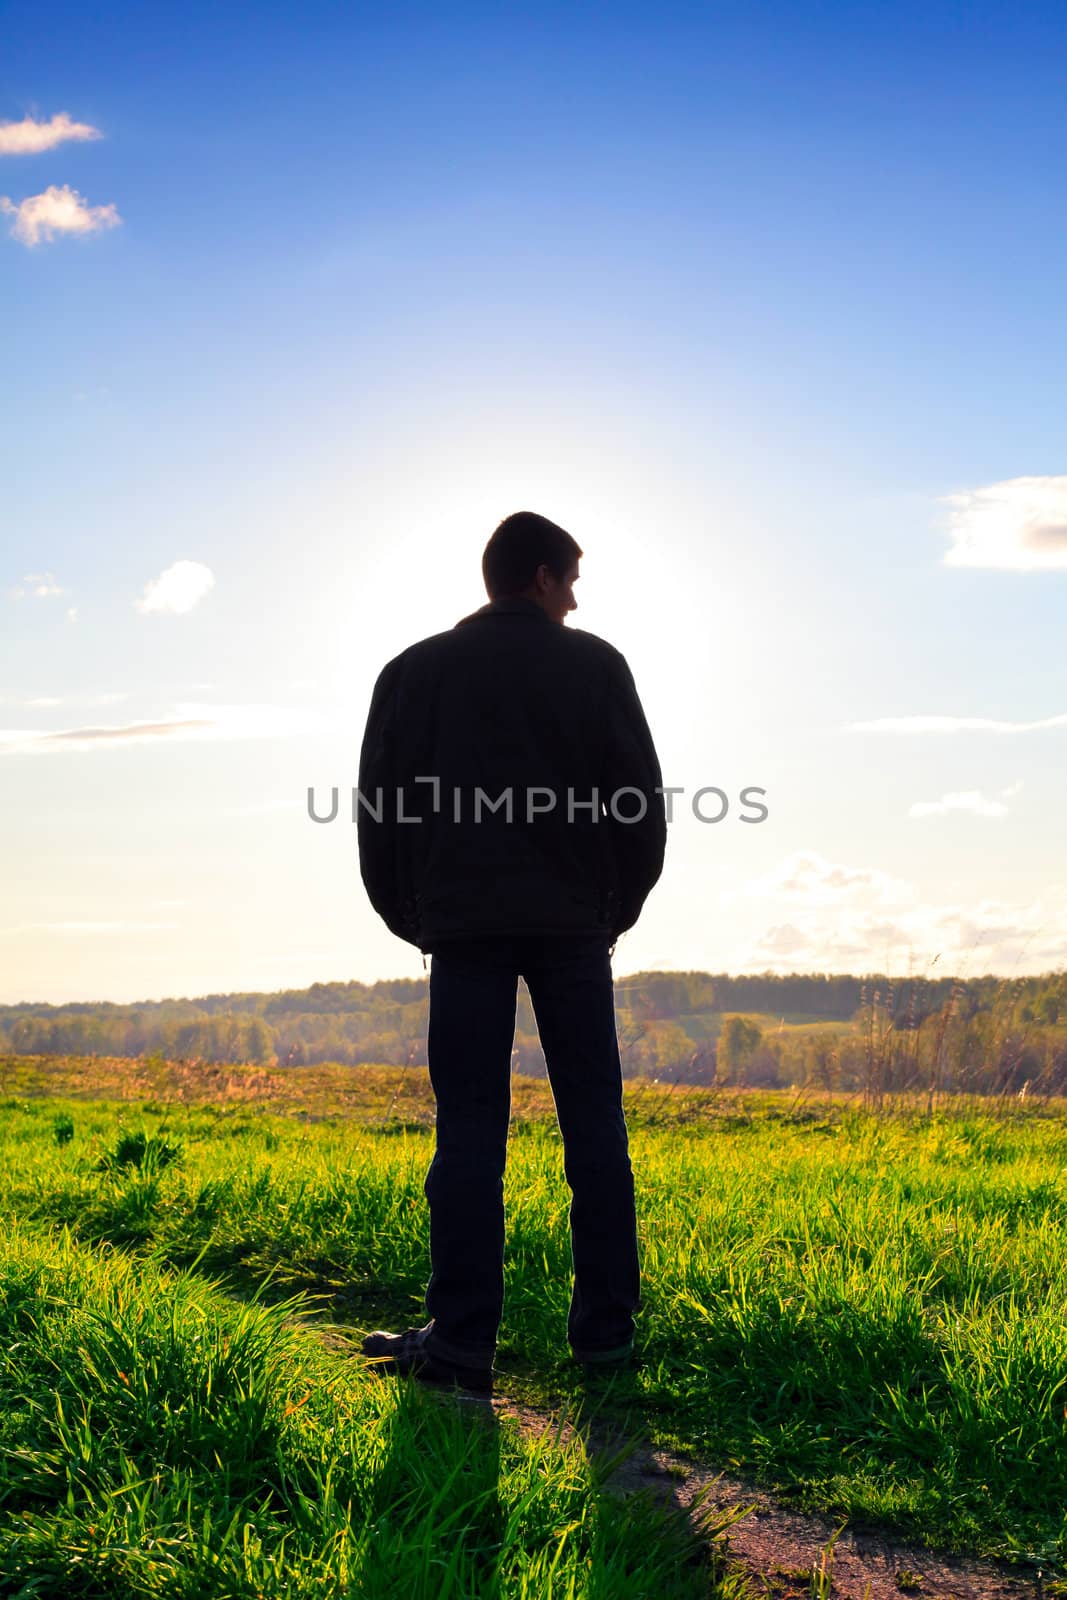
510	823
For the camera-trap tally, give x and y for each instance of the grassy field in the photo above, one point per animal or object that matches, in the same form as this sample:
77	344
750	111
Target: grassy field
865	1314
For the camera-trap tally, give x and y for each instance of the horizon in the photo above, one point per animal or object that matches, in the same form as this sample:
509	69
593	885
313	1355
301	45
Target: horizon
765	308
621	978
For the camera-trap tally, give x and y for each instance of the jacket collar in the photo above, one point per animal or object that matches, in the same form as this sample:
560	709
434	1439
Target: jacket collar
515	605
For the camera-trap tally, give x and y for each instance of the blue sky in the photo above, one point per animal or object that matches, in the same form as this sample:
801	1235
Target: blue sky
764	303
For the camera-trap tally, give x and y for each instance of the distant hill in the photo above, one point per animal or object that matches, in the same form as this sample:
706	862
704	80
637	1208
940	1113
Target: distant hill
685	1024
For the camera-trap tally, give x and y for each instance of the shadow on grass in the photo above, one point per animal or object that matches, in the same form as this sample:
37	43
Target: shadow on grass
452	1463
414	1456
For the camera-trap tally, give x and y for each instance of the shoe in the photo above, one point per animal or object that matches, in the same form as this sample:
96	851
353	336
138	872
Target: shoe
606	1361
406	1355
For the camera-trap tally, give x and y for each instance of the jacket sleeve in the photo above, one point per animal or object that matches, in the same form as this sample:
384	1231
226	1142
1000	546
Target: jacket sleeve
381	862
631	763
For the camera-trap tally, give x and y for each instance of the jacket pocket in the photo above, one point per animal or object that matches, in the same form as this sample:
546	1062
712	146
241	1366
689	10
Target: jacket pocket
609	906
609	887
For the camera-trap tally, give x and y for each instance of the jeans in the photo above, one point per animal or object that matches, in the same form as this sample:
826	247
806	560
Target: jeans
473	987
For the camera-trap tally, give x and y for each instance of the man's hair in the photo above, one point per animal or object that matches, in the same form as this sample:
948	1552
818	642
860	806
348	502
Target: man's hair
522	543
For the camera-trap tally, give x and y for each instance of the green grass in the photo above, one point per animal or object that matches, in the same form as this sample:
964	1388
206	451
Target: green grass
865	1314
157	1439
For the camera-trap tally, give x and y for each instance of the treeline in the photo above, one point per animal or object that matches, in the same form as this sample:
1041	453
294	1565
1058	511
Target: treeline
346	1022
837	997
874	1033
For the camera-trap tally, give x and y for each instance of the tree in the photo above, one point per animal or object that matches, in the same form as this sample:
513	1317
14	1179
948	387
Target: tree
738	1043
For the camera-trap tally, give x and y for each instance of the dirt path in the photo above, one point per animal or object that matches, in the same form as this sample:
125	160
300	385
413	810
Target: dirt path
788	1555
785	1554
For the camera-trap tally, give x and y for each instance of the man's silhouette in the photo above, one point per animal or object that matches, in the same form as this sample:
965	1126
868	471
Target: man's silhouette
521	747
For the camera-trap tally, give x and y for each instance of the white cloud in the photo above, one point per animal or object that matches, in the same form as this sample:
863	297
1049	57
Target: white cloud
939	724
989	936
88	738
191	721
42	584
808	878
72	613
782	940
1019	524
57	210
29	137
971	800
833	918
177	589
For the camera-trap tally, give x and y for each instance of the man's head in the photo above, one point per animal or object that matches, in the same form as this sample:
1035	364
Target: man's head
530	556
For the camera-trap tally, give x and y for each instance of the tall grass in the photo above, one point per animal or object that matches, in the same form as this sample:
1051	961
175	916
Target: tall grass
865	1313
159	1440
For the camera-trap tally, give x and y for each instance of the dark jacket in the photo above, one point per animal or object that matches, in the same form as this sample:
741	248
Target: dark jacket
508	700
